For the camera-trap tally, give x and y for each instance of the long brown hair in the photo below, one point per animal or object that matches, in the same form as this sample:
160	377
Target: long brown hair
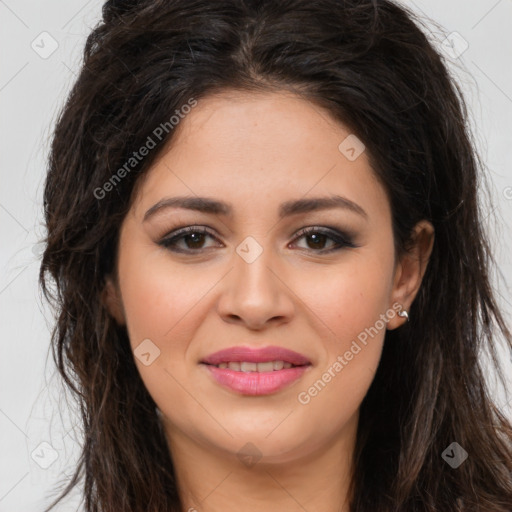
373	68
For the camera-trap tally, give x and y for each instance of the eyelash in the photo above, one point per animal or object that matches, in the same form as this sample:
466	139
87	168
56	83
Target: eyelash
342	240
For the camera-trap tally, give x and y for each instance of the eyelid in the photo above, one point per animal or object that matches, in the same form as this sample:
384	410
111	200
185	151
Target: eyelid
179	232
341	237
336	234
174	236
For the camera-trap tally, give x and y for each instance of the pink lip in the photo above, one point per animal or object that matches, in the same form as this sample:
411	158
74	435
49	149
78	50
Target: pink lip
256	355
256	383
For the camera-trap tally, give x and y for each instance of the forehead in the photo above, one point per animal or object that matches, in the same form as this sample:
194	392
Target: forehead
255	148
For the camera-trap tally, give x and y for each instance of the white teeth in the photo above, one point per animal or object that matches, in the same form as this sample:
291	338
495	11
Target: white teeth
278	365
247	367
266	367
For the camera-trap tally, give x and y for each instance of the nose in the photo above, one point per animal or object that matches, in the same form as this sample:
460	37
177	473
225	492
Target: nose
256	294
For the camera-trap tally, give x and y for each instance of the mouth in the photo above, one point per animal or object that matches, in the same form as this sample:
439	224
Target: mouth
250	356
249	367
256	371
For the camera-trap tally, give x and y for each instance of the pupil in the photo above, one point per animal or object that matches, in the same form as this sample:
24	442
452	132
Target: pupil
194	235
317	238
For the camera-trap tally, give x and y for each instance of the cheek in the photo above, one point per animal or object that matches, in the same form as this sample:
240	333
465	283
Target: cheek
159	298
350	297
162	304
352	305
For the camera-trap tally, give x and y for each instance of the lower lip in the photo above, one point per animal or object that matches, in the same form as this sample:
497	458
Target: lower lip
256	383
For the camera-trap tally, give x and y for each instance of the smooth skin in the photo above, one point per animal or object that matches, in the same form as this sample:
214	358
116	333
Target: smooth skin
256	151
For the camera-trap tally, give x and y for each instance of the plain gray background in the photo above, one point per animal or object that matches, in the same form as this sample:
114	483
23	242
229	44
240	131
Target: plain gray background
40	50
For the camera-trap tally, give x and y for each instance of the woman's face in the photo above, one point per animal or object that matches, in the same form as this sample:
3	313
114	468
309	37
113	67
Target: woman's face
268	163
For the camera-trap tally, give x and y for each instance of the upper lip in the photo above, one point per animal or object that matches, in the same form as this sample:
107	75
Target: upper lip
256	355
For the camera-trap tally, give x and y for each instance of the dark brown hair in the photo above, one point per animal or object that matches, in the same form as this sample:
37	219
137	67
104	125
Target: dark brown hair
371	66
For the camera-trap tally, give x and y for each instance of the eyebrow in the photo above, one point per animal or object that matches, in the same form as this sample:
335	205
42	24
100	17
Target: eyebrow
288	208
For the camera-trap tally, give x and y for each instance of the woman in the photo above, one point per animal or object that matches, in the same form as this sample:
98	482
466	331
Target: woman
271	272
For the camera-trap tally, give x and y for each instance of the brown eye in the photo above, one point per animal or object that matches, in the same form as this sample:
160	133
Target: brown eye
317	238
192	237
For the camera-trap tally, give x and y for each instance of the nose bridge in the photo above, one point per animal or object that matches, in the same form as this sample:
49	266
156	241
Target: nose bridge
255	292
253	261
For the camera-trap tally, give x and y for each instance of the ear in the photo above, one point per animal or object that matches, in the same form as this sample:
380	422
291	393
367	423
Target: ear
410	270
111	298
